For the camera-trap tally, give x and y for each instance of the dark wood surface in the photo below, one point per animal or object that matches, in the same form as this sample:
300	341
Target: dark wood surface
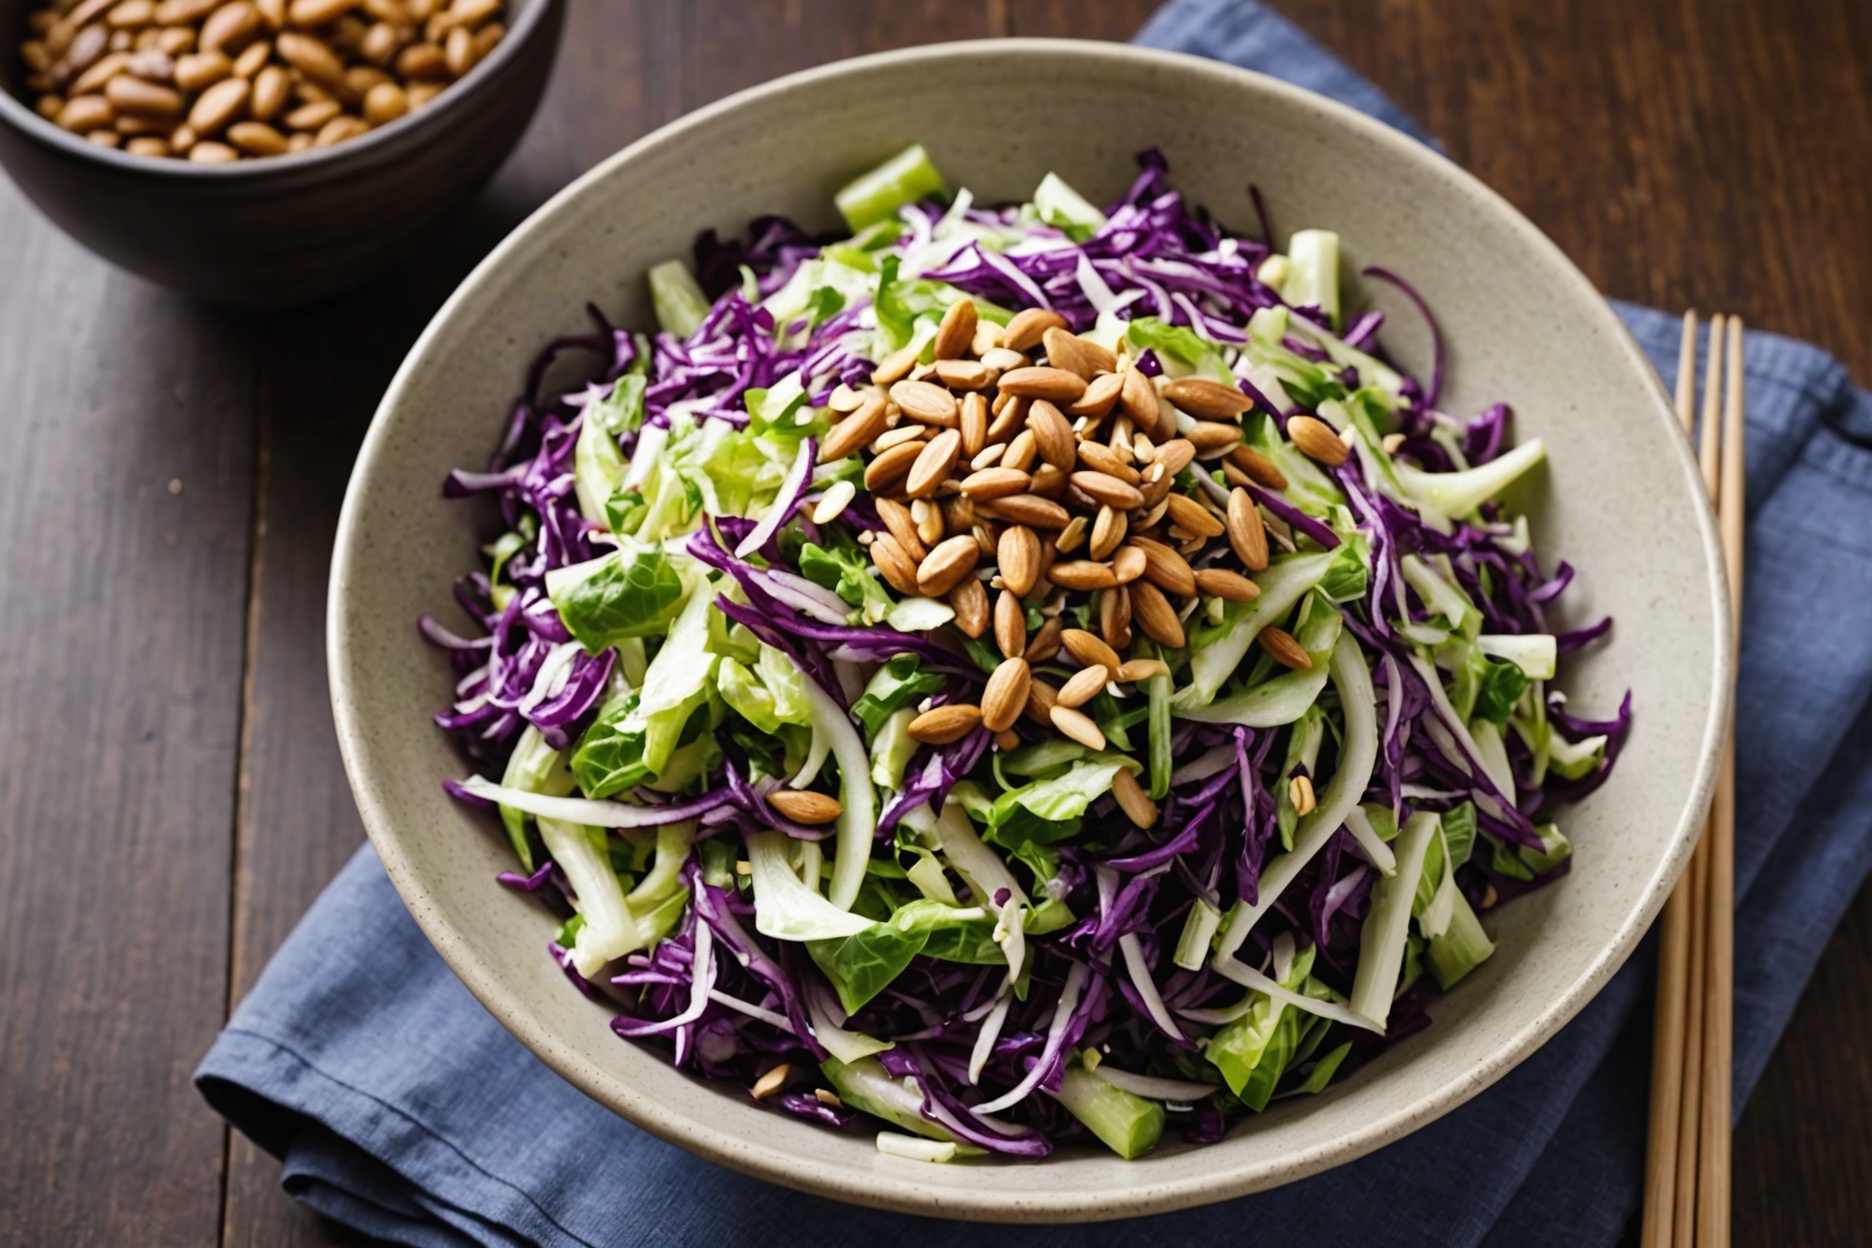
174	473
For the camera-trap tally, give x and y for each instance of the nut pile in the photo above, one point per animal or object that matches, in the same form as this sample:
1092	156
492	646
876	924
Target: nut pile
1028	468
215	81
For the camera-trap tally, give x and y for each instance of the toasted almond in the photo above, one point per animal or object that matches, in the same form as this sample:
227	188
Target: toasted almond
1138	398
1281	645
1010	623
1041	699
1300	794
1078	726
1005	695
1082	574
898	567
988	457
1100	458
1007	416
1007	738
984	539
1155	615
946	564
1084	685
970	603
1165	568
1053	436
1088	650
1018	554
898	436
887	470
1226	585
833	502
928	518
957	330
1260	468
991	483
219	105
902	526
1132	799
1175	455
1247	535
1030	510
968	375
1044	644
804	805
894	367
858	429
1026	328
933	462
1080	356
1107	531
1153	512
1073	536
958	512
844	400
1056	385
1207	400
1114	617
973	422
1101	395
1001	359
771	1082
1185	512
1108	490
1021	451
1049	482
1210	438
1135	670
1128	564
926	403
944	724
1316	440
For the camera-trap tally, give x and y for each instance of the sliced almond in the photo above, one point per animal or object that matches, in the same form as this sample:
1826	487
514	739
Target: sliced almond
1010	623
1136	670
1030	510
945	724
1107	531
1260	468
1084	685
1156	616
1210	438
1132	799
1108	489
1207	400
1056	385
887	470
1082	574
1078	726
1114	618
988	457
1100	458
1185	512
1101	395
1247	535
1026	327
970	602
947	564
963	374
1284	649
899	570
1226	585
926	403
1088	650
844	399
1044	644
1008	412
1006	694
1073	536
1316	440
858	429
973	422
1018	554
933	463
957	331
833	502
805	806
1165	568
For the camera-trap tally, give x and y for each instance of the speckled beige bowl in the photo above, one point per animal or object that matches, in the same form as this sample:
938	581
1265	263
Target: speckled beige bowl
1619	499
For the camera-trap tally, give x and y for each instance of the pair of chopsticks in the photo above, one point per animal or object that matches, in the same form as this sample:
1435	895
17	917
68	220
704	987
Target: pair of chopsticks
1687	1190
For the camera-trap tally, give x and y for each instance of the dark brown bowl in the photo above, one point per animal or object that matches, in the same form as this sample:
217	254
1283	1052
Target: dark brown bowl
285	229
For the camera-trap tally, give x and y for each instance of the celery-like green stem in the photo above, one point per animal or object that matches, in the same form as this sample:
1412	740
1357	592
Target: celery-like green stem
876	196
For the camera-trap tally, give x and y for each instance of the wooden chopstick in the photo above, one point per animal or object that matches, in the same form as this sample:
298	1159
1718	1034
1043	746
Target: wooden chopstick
1713	1146
1687	1170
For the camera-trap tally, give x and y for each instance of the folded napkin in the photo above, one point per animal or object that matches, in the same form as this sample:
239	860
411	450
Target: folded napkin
401	1108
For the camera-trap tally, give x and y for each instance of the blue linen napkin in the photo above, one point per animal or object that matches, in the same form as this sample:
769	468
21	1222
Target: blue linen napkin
401	1108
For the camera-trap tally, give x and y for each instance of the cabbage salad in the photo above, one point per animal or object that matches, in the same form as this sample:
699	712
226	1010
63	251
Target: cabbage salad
1014	675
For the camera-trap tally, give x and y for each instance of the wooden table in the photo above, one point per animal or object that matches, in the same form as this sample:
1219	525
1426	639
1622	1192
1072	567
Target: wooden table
172	790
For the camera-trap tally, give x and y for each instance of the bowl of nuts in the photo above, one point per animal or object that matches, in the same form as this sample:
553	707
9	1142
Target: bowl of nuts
264	152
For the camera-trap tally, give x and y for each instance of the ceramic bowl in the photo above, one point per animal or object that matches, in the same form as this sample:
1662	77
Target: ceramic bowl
287	229
1619	499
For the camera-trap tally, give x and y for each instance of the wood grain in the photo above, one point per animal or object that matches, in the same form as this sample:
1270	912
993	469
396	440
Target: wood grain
1688	152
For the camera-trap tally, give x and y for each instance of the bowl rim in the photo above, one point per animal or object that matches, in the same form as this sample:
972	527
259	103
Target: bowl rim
15	111
903	1193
